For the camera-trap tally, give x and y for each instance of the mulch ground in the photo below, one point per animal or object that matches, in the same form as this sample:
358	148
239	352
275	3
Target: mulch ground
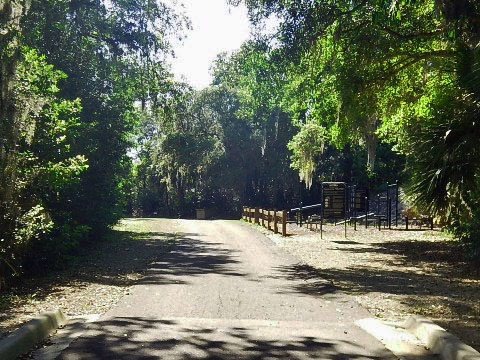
99	277
394	273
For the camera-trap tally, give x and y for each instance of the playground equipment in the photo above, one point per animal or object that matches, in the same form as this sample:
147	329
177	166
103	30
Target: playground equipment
421	221
387	208
352	204
298	212
358	205
389	200
332	206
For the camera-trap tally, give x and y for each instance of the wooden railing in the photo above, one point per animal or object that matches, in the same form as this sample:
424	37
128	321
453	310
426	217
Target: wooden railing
270	219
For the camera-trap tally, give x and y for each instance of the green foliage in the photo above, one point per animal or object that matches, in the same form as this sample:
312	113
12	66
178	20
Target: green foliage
446	162
214	148
308	144
467	230
72	74
32	224
400	74
343	90
43	126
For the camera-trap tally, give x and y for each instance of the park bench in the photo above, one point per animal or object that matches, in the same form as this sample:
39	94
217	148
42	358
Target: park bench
313	220
423	220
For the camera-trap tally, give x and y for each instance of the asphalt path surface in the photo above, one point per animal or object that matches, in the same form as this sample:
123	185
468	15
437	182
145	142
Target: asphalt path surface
226	291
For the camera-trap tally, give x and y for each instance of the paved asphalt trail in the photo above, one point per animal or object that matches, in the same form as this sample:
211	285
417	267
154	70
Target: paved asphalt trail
225	291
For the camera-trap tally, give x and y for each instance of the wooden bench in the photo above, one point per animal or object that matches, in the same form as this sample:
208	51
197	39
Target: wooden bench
313	220
424	220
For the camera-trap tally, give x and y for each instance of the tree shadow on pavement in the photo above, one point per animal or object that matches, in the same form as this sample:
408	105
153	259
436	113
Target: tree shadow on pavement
191	257
304	279
427	294
124	258
141	338
365	279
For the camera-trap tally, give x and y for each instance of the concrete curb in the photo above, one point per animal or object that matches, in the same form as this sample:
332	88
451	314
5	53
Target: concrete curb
34	331
440	341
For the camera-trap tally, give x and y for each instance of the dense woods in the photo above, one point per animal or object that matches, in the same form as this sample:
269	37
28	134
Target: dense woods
74	77
93	127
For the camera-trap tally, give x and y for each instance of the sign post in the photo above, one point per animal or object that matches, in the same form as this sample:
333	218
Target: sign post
334	203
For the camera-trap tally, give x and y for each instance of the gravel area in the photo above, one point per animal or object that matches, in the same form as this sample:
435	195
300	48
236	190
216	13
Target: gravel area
97	279
394	273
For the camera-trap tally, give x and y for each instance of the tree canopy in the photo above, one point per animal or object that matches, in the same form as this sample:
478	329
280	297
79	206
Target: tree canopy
94	127
401	73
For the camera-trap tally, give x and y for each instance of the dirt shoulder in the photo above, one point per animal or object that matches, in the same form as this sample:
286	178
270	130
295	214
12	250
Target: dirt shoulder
99	277
394	273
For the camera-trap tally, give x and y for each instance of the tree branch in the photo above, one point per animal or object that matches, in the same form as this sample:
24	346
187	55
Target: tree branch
411	36
415	59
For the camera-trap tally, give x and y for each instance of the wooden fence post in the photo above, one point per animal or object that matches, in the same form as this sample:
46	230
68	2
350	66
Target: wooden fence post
406	222
275	225
269	219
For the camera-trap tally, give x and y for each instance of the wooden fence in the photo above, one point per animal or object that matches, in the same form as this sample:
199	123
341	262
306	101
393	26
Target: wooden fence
270	219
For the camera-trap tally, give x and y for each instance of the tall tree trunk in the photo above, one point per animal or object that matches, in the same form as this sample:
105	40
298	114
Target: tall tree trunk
10	15
11	12
371	141
180	194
